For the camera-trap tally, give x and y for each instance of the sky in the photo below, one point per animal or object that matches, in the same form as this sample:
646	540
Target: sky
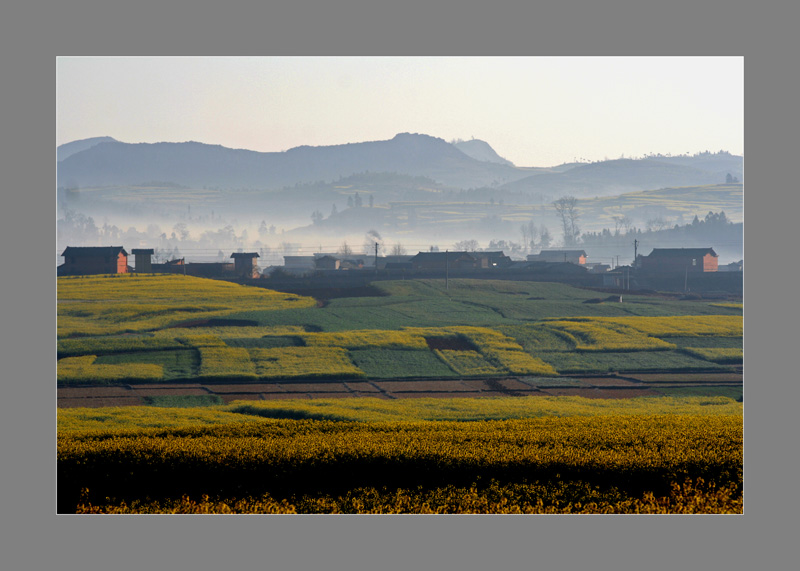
532	111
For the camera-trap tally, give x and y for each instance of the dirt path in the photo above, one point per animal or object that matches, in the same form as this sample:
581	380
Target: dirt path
608	386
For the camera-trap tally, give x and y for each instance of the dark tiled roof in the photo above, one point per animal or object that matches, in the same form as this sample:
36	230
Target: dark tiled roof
441	255
661	252
93	251
245	255
551	253
137	251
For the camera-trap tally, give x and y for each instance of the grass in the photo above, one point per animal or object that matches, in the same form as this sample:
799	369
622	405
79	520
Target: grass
393	363
522	328
671	361
722	355
707	342
734	393
183	401
176	365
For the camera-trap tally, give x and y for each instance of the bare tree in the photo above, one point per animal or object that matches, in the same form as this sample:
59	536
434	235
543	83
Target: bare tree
656	224
397	249
528	231
345	250
566	207
466	246
181	230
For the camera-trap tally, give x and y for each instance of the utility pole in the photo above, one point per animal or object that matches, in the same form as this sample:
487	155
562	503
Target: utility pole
635	249
376	259
446	270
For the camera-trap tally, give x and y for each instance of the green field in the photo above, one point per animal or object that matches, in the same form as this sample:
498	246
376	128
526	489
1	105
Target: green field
124	329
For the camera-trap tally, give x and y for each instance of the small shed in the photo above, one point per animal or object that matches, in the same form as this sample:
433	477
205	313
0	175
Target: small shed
244	262
143	261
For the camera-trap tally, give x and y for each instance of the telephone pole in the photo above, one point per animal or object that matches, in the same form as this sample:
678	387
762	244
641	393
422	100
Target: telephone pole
635	249
376	259
446	270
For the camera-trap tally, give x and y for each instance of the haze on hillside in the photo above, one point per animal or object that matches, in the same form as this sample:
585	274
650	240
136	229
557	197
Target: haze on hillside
303	155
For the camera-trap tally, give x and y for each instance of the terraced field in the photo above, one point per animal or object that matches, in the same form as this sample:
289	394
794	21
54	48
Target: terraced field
126	331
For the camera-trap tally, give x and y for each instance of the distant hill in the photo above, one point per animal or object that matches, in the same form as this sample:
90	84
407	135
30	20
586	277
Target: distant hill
198	164
481	151
67	149
627	175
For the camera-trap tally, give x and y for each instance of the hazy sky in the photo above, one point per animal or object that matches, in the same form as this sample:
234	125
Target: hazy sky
532	111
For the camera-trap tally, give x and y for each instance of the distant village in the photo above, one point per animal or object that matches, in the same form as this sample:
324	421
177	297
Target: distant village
664	268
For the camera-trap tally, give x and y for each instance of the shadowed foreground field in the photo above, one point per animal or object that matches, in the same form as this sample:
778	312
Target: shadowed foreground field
544	455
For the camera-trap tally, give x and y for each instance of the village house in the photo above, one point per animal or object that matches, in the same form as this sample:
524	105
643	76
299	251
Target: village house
244	264
327	262
680	261
437	260
175	266
570	256
491	259
94	260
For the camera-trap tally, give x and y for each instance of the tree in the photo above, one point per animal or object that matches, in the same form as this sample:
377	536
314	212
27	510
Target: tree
528	231
345	250
466	246
316	217
350	202
357	200
181	230
567	211
334	210
544	237
656	224
398	250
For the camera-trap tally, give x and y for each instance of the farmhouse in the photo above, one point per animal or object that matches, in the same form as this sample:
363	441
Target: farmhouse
175	266
571	256
491	259
437	260
244	263
680	261
208	269
326	262
94	260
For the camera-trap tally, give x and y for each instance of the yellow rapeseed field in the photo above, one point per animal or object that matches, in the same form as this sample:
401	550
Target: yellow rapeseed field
303	362
103	305
607	335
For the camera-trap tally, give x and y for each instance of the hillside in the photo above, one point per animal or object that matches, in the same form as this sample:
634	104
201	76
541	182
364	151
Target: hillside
628	175
481	151
69	149
199	164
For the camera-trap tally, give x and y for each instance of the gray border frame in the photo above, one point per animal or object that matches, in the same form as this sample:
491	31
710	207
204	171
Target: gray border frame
34	34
